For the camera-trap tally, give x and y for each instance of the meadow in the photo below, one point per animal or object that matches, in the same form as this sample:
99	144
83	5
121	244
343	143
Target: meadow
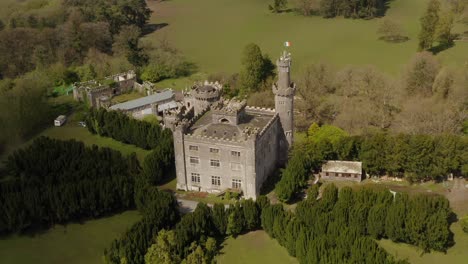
212	34
75	243
254	247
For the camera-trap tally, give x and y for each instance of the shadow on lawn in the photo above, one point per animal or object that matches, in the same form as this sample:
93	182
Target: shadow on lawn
150	28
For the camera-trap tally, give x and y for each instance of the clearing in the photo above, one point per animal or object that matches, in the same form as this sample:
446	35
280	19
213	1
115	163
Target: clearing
72	244
212	34
254	247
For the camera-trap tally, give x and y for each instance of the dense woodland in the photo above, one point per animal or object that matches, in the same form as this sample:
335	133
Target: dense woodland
347	8
50	43
159	164
123	128
414	157
54	181
340	227
159	211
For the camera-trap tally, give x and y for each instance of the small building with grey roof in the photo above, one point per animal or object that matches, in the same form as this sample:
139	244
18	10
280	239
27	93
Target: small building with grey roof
342	170
151	104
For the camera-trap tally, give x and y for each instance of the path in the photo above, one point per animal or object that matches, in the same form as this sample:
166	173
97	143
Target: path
458	196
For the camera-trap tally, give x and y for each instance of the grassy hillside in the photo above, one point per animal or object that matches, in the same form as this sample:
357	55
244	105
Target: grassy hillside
254	247
212	33
71	244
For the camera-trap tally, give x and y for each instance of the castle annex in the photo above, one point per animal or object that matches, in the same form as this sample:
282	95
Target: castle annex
225	144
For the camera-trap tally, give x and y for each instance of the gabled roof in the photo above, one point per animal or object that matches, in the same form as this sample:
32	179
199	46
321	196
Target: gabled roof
341	166
151	99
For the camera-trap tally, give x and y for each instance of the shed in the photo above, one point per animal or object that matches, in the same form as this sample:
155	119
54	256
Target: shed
342	170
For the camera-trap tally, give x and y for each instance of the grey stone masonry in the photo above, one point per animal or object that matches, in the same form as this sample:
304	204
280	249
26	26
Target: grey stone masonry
224	144
284	91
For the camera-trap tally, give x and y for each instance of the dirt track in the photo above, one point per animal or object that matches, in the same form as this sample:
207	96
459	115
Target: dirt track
458	197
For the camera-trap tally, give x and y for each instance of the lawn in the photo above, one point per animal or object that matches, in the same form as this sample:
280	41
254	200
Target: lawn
70	244
458	254
254	247
212	33
73	131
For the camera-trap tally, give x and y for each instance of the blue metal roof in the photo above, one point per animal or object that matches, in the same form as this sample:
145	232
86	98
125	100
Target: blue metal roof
151	99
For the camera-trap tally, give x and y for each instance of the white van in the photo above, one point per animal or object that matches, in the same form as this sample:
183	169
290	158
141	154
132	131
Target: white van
60	120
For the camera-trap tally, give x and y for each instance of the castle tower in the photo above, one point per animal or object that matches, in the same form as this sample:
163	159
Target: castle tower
284	91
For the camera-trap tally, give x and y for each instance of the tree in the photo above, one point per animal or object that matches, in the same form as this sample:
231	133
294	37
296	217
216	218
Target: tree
429	22
420	74
443	33
254	69
443	83
163	250
308	6
278	6
464	223
391	31
236	221
220	218
127	43
251	214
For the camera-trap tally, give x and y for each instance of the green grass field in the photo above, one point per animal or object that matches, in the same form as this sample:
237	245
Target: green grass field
458	254
254	247
70	244
71	130
212	33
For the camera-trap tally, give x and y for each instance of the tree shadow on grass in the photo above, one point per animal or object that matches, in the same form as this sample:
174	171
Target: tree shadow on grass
382	10
395	39
441	47
150	28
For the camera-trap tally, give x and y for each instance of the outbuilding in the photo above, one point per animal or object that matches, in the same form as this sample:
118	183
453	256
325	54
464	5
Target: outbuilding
342	170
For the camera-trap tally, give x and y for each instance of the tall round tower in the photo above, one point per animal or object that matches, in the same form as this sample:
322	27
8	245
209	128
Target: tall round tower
284	91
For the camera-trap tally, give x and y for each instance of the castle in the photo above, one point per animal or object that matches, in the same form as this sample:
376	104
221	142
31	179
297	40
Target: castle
226	145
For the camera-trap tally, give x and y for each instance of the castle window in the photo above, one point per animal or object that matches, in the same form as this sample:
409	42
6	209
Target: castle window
236	184
235	153
214	163
195	178
289	113
214	150
194	148
224	121
194	161
326	174
235	166
215	180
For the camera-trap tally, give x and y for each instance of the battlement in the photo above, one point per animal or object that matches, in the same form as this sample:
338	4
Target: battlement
286	92
259	109
206	90
232	106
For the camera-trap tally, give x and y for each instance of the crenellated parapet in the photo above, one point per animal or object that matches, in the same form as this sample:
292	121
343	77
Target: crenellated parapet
206	91
284	92
260	109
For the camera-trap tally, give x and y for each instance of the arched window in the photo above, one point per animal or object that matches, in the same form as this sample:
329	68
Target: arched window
224	121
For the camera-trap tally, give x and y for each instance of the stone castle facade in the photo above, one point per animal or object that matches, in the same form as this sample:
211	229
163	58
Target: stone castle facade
225	144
